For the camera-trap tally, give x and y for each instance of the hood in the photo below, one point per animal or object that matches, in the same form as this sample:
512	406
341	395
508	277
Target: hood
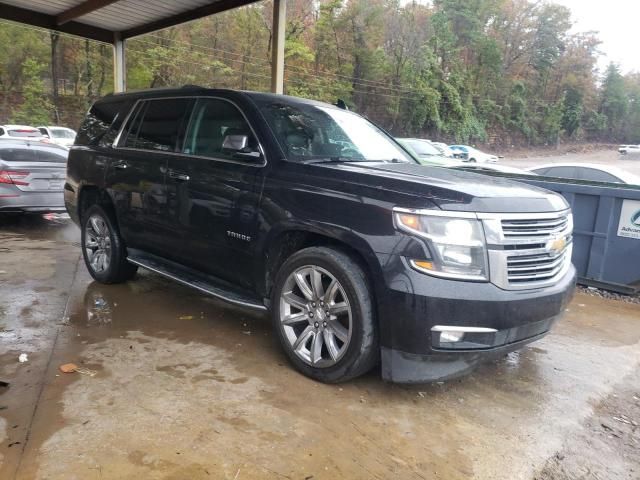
451	189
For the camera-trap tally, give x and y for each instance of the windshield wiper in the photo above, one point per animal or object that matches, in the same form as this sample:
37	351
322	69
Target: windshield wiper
334	160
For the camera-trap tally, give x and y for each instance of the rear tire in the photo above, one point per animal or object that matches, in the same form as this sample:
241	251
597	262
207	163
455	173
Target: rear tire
326	328
103	249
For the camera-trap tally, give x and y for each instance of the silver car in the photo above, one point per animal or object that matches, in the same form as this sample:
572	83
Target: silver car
32	176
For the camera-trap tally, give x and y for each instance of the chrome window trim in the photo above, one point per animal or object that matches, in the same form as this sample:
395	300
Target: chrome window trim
116	142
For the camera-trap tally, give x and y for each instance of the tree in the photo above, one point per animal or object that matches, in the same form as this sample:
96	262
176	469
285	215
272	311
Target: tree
35	109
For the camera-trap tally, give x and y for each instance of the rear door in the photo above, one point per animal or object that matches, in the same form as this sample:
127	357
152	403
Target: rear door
136	173
212	197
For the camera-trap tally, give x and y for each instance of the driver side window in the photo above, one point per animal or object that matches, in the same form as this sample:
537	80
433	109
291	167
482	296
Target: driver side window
214	121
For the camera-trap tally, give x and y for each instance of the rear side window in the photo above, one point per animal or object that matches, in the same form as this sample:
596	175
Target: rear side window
100	124
157	124
34	154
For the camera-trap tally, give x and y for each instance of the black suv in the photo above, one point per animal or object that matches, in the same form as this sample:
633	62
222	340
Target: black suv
315	214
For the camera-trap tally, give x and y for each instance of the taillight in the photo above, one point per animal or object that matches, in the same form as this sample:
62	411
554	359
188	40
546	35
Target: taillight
14	177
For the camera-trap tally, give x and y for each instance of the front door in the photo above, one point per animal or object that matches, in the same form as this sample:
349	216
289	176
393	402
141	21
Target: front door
136	175
212	193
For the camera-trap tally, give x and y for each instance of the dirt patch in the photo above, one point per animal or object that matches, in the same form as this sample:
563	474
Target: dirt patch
611	435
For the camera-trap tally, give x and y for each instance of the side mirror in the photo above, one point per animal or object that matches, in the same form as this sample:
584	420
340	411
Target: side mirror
235	142
238	145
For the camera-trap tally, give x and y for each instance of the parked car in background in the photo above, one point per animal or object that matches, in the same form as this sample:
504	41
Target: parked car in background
20	131
591	172
471	154
493	167
59	135
313	213
444	149
425	152
625	149
32	176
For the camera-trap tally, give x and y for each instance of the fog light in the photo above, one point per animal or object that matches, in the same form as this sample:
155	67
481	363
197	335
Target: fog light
449	336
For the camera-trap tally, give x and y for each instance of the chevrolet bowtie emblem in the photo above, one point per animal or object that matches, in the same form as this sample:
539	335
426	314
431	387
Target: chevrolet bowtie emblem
556	245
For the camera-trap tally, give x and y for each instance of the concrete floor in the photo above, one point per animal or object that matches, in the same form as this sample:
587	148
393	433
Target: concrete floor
187	388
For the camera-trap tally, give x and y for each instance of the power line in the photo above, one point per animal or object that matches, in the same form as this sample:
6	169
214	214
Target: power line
295	67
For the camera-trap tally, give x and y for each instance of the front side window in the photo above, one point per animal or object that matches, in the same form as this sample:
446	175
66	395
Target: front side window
316	132
157	124
214	121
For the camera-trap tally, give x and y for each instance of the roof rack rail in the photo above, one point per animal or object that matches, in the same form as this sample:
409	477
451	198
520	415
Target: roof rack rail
188	85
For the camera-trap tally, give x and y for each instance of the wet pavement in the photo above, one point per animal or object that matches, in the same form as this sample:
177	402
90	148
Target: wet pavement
179	386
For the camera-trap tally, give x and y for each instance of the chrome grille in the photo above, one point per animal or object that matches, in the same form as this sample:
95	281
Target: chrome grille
528	250
531	268
535	228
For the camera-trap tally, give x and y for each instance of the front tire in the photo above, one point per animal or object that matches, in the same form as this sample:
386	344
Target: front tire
322	312
103	249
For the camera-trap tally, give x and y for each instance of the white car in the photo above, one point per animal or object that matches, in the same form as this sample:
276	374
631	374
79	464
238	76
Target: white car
624	149
444	149
20	131
59	135
473	155
592	172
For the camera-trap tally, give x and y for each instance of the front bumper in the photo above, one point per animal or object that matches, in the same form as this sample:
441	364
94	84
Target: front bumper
413	303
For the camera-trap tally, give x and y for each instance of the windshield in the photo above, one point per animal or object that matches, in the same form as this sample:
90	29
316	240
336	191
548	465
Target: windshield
62	133
316	132
422	147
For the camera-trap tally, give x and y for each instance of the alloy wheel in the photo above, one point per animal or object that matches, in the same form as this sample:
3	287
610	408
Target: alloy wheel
97	243
315	316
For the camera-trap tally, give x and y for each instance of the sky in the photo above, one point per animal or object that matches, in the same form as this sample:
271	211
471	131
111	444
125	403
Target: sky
617	22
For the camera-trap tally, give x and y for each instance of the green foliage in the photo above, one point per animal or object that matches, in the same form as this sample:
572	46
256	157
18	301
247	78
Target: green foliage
509	71
35	108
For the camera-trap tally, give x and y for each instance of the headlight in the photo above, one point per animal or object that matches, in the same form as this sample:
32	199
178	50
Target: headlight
456	243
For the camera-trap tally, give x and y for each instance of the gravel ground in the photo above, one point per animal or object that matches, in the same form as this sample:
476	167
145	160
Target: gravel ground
597	292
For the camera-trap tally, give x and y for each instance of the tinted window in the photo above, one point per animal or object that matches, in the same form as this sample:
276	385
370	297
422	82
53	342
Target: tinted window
100	122
1	131
160	125
212	121
34	154
594	175
562	172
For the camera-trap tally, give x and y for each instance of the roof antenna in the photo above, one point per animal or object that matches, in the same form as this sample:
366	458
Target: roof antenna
340	104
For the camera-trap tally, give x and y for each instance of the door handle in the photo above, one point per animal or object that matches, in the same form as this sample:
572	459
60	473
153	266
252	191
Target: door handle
175	175
122	165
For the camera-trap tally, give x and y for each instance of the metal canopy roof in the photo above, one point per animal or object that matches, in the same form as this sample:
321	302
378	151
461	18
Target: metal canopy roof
107	20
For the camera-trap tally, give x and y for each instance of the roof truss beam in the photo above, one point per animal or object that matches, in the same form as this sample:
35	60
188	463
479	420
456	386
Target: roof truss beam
79	10
37	19
204	11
